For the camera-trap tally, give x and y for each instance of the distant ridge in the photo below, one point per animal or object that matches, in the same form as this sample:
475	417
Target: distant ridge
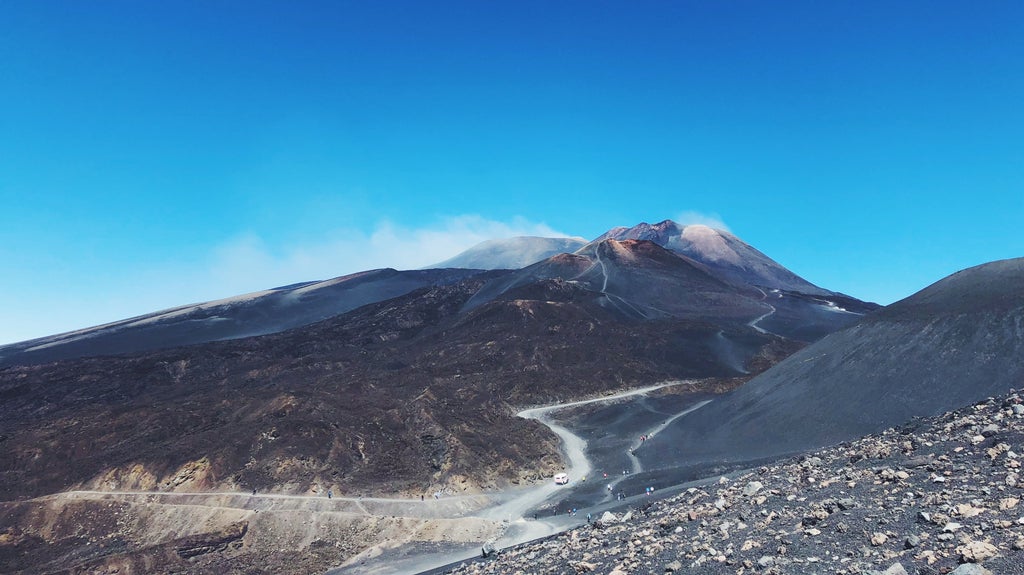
701	258
257	313
511	253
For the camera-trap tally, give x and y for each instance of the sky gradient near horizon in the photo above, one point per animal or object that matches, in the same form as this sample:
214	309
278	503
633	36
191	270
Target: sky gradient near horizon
164	153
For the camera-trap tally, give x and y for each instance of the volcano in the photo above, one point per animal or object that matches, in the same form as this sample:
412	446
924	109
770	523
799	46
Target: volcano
381	383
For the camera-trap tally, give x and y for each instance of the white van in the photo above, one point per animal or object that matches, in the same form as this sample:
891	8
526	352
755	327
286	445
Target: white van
562	478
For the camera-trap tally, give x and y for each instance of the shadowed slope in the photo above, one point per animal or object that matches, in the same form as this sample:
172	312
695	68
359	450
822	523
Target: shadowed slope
954	343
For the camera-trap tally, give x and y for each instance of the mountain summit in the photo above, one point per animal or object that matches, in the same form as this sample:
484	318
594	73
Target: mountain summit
731	257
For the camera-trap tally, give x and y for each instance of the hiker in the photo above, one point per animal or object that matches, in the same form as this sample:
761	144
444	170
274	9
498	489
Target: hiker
421	497
588	517
329	494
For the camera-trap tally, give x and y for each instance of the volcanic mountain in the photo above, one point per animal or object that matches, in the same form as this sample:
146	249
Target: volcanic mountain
397	387
399	395
957	341
725	258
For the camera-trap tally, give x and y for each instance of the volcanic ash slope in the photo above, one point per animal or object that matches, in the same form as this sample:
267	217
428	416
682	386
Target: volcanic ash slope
953	343
941	496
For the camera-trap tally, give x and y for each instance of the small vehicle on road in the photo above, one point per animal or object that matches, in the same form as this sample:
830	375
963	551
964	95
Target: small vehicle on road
562	478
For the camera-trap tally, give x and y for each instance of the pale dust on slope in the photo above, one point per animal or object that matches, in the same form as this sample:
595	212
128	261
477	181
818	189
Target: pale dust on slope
148	521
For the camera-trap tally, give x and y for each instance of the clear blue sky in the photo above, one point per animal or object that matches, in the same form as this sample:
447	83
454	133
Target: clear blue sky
160	153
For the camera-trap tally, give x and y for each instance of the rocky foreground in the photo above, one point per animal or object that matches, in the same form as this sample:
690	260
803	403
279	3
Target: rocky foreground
939	495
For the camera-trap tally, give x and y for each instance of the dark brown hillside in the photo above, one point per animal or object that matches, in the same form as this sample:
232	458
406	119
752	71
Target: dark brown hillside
561	266
403	396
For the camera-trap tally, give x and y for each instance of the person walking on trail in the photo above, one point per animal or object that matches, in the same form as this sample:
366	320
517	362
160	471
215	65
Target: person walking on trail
588	517
329	494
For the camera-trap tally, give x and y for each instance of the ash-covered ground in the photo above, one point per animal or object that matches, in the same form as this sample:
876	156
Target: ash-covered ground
938	495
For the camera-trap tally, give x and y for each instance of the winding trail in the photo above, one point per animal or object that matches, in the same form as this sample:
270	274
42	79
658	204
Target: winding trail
833	307
243	494
771	309
507	508
631	452
637	466
604	270
727	352
578	465
514	506
617	301
445	507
